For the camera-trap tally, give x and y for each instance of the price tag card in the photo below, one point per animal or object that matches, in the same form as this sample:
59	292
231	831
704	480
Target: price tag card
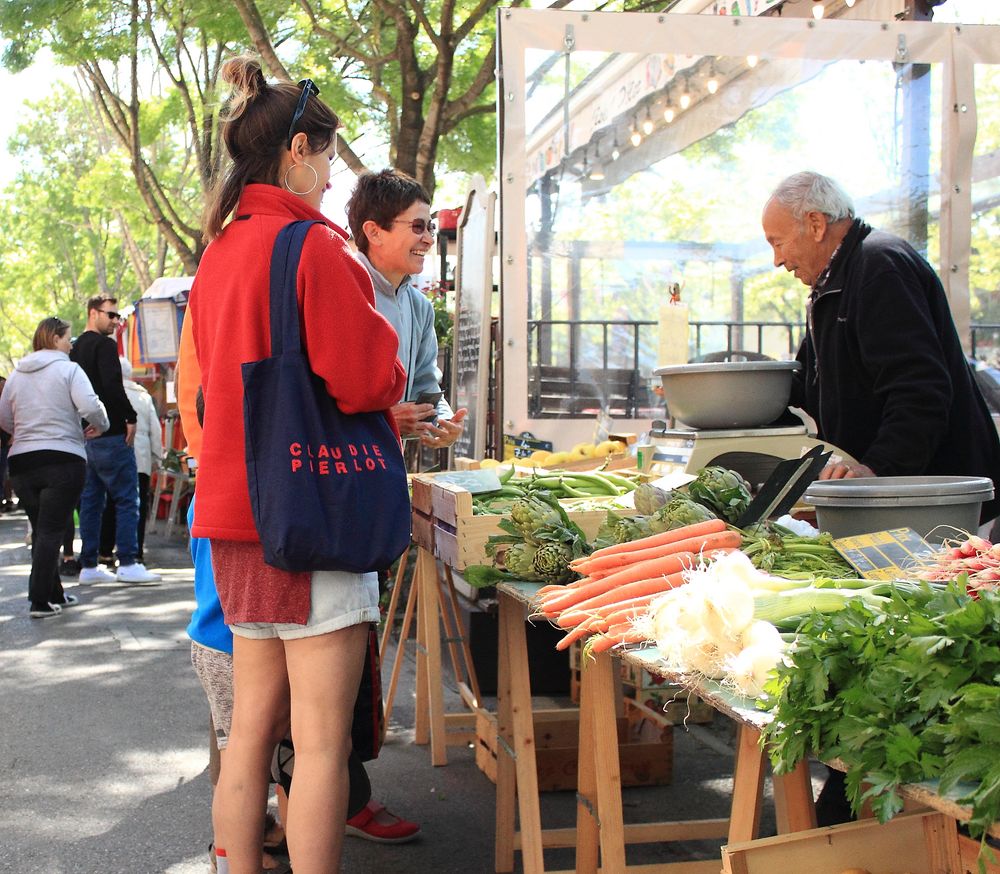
523	445
884	555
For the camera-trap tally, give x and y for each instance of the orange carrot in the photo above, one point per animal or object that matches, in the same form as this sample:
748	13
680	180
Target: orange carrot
616	635
698	529
638	589
581	630
643	570
713	540
573	616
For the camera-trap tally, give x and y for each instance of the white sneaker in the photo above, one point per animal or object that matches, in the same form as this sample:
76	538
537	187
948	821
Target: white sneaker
136	574
89	575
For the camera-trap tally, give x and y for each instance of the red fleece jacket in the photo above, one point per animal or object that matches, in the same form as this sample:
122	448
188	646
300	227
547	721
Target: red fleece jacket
349	345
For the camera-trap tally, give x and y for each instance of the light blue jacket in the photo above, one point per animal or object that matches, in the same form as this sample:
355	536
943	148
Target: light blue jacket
411	315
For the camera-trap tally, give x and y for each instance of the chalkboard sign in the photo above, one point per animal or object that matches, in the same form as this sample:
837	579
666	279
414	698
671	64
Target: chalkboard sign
474	287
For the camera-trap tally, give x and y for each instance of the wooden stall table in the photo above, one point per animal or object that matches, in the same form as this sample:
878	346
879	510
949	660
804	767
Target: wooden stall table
600	836
432	598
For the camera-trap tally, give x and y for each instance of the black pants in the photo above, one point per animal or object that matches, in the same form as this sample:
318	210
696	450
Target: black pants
48	495
107	546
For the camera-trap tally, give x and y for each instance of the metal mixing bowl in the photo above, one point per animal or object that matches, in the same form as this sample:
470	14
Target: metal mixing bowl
727	394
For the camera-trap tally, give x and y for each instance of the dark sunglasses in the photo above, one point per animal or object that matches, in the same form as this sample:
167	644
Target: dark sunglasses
418	226
308	87
111	314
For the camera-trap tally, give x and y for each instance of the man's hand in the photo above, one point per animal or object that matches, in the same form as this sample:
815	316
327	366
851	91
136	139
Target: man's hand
841	470
90	432
129	433
408	418
445	432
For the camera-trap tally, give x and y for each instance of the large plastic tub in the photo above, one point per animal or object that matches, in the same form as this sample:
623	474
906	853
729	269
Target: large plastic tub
933	506
727	394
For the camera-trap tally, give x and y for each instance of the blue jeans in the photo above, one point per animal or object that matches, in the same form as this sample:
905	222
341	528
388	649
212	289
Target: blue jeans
112	475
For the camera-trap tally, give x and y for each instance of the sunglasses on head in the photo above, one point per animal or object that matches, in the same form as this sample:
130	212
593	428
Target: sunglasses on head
418	226
308	87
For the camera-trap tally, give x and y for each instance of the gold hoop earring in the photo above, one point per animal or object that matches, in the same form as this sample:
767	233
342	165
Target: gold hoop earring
308	190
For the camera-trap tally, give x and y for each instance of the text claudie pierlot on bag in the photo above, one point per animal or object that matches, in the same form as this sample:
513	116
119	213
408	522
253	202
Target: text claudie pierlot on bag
327	459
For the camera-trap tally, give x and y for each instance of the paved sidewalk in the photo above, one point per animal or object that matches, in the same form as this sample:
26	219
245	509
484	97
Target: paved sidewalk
104	747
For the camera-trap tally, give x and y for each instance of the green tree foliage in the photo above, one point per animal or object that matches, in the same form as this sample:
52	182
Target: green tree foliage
150	69
73	223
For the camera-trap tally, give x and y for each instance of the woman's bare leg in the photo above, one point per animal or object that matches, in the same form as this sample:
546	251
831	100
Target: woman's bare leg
324	673
260	720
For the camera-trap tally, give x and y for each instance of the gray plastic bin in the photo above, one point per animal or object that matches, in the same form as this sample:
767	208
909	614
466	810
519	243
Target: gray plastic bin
923	503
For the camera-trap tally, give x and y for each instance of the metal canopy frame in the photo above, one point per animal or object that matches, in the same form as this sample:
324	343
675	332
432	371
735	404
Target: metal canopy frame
957	48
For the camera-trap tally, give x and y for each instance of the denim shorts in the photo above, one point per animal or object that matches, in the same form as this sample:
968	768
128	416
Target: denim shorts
338	599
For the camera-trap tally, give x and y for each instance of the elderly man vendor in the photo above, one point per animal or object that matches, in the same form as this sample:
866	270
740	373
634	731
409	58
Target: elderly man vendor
883	371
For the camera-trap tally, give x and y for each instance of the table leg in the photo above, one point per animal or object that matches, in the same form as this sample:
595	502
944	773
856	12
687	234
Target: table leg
390	614
794	807
430	603
518	684
748	786
607	763
421	724
404	636
588	833
506	778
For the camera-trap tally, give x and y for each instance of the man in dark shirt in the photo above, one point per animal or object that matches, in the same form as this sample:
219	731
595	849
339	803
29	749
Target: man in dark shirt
111	470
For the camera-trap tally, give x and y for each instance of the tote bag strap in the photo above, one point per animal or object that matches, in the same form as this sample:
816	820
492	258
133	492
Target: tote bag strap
284	304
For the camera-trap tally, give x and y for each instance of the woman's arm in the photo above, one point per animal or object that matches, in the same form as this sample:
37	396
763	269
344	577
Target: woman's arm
86	401
350	346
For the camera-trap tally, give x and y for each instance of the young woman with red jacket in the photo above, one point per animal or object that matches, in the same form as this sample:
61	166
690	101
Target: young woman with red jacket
298	637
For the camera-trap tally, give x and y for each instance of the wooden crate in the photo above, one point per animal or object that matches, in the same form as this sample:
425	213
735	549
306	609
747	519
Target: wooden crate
557	733
917	843
460	537
968	853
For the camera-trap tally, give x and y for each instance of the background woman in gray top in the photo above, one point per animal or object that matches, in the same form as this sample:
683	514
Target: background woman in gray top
42	404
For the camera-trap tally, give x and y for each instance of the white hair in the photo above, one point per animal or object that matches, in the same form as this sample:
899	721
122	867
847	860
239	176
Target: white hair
806	192
126	367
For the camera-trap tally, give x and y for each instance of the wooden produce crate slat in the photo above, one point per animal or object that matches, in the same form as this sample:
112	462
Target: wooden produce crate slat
920	843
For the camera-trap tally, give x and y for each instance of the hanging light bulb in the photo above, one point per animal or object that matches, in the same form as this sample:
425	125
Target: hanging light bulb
850	3
685	95
635	137
713	81
752	61
647	124
668	112
817	9
615	154
597	173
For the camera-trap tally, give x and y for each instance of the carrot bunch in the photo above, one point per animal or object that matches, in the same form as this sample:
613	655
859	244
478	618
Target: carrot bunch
621	581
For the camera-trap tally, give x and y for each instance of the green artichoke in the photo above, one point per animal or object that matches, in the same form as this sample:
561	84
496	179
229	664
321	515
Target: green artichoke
681	511
531	514
721	490
518	560
551	562
648	498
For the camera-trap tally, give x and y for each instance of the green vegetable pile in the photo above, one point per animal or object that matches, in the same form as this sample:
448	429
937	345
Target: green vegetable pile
906	693
776	550
556	484
539	543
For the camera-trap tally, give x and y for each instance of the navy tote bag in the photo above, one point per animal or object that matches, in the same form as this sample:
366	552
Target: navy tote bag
328	490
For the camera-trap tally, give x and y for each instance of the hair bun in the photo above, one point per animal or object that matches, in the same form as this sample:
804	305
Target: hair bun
246	75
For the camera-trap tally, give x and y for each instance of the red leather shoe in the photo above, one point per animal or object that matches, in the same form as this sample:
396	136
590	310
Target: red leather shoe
364	825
